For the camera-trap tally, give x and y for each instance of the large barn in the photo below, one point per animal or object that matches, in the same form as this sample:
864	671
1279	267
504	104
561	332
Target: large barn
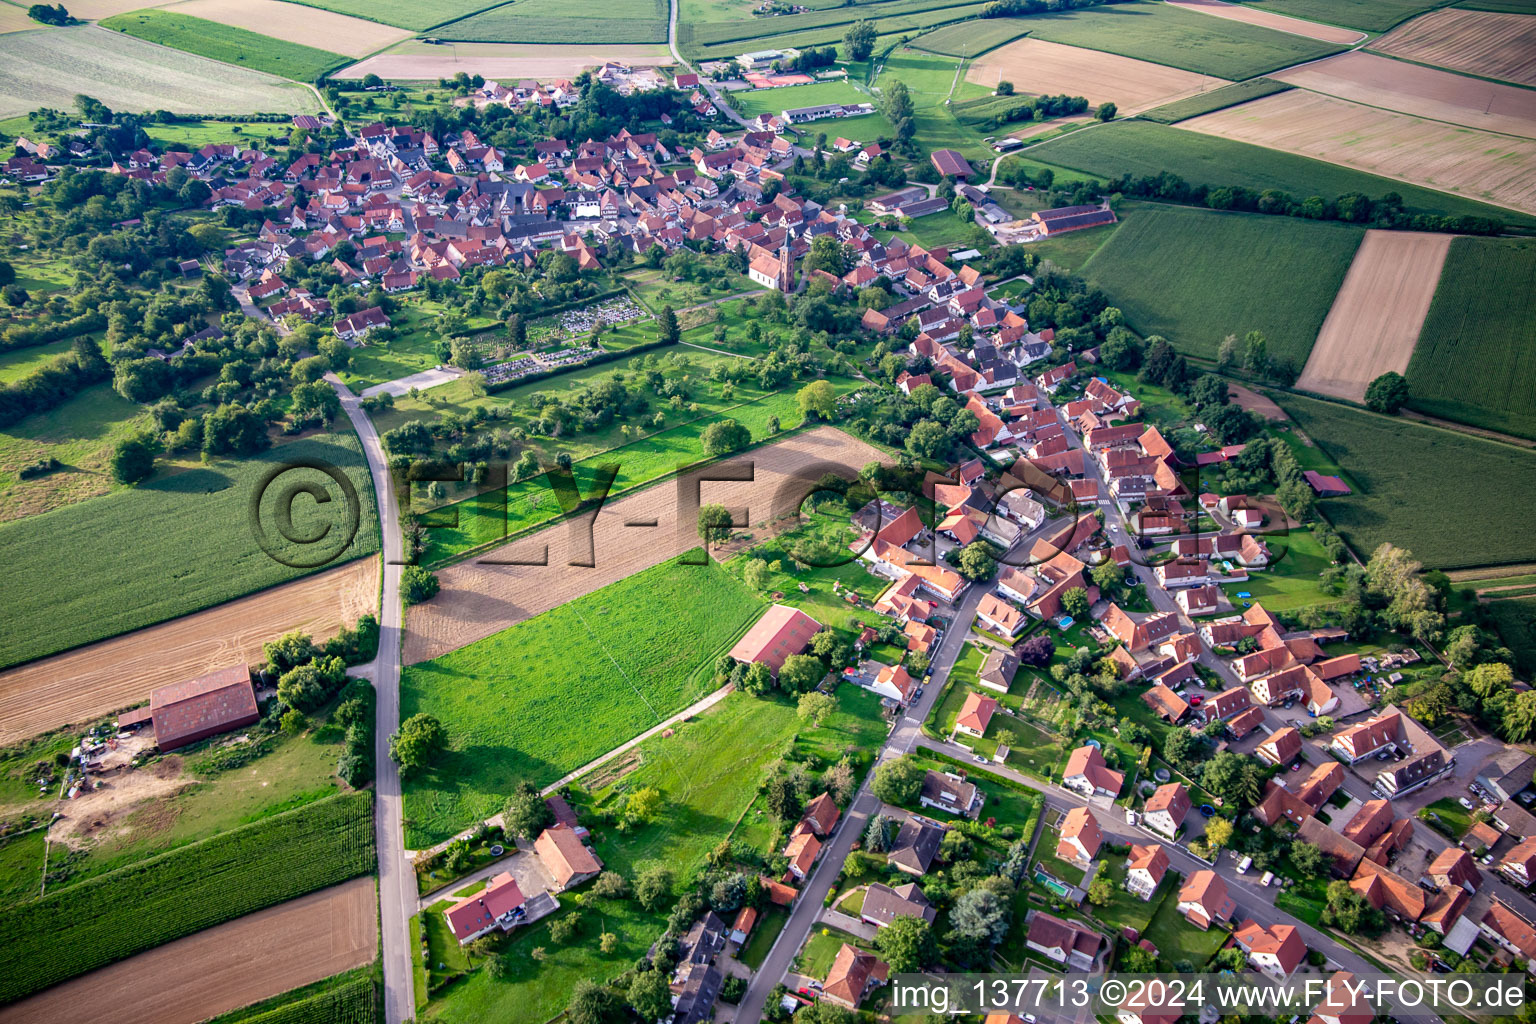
184	713
781	631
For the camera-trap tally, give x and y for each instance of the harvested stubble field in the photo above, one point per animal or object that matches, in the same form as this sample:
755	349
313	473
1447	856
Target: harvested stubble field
1376	317
82	684
296	23
226	43
414	61
1477	42
14	19
177	543
1420	487
1036	66
1270	19
1414	89
1195	276
95	10
1476	358
1499	169
203	975
1142	148
49	69
1165	34
480	598
628	655
562	21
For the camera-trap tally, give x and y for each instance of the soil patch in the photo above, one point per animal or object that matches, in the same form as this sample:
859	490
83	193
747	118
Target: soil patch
1477	42
80	685
1376	317
226	967
1036	66
1254	402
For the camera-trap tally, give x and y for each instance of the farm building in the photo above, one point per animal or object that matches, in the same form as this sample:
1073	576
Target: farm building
1072	218
781	632
184	713
951	164
566	857
498	905
1326	486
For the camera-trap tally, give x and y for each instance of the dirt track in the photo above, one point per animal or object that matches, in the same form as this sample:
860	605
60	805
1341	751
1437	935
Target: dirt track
1477	42
1036	66
1498	169
1415	89
1375	319
226	967
1269	19
79	685
1251	400
478	600
309	26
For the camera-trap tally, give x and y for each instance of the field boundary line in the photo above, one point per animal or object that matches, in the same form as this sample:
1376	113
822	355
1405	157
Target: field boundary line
1449	71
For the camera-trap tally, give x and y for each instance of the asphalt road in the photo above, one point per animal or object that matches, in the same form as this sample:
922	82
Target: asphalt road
397	879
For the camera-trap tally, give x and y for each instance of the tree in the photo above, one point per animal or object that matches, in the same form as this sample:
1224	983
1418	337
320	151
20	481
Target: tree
927	439
1387	393
878	833
1349	911
898	781
592	1003
859	40
417	584
906	944
981	916
755	573
1107	576
715	524
725	436
525	814
975	561
418	740
1106	112
517	331
1256	353
1074	602
756	678
650	996
653	889
839	780
896	104
641	806
800	673
823	1012
782	797
818	398
1226	355
610	885
1218	833
1037	650
1208	391
1234	777
1102	891
134	457
1309	860
814	708
1004	88
371	81
666	326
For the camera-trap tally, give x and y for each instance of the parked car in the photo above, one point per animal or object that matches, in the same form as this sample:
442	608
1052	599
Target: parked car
917	694
1465	802
1196	701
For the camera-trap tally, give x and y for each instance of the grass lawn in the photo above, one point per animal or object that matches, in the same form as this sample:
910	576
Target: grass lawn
1140	148
1291	581
1195	276
22	362
1177	940
21	867
1125	909
971	38
1411	486
1179	38
1033	750
654	288
380	362
81	433
816	956
819	601
752	102
1046	859
932	80
199	133
769	923
707	773
227	43
176	543
1074	249
936	229
1453	814
1476	357
629	655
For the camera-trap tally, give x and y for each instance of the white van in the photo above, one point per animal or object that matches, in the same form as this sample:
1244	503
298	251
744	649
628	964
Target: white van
1269	876
1244	864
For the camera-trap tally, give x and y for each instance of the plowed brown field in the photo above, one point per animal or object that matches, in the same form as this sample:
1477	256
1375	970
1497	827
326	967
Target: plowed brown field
1477	42
1415	89
1036	66
1269	19
1375	319
79	685
297	23
479	599
413	60
1499	169
226	967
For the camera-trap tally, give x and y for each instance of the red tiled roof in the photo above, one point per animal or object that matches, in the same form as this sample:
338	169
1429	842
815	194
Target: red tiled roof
781	632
